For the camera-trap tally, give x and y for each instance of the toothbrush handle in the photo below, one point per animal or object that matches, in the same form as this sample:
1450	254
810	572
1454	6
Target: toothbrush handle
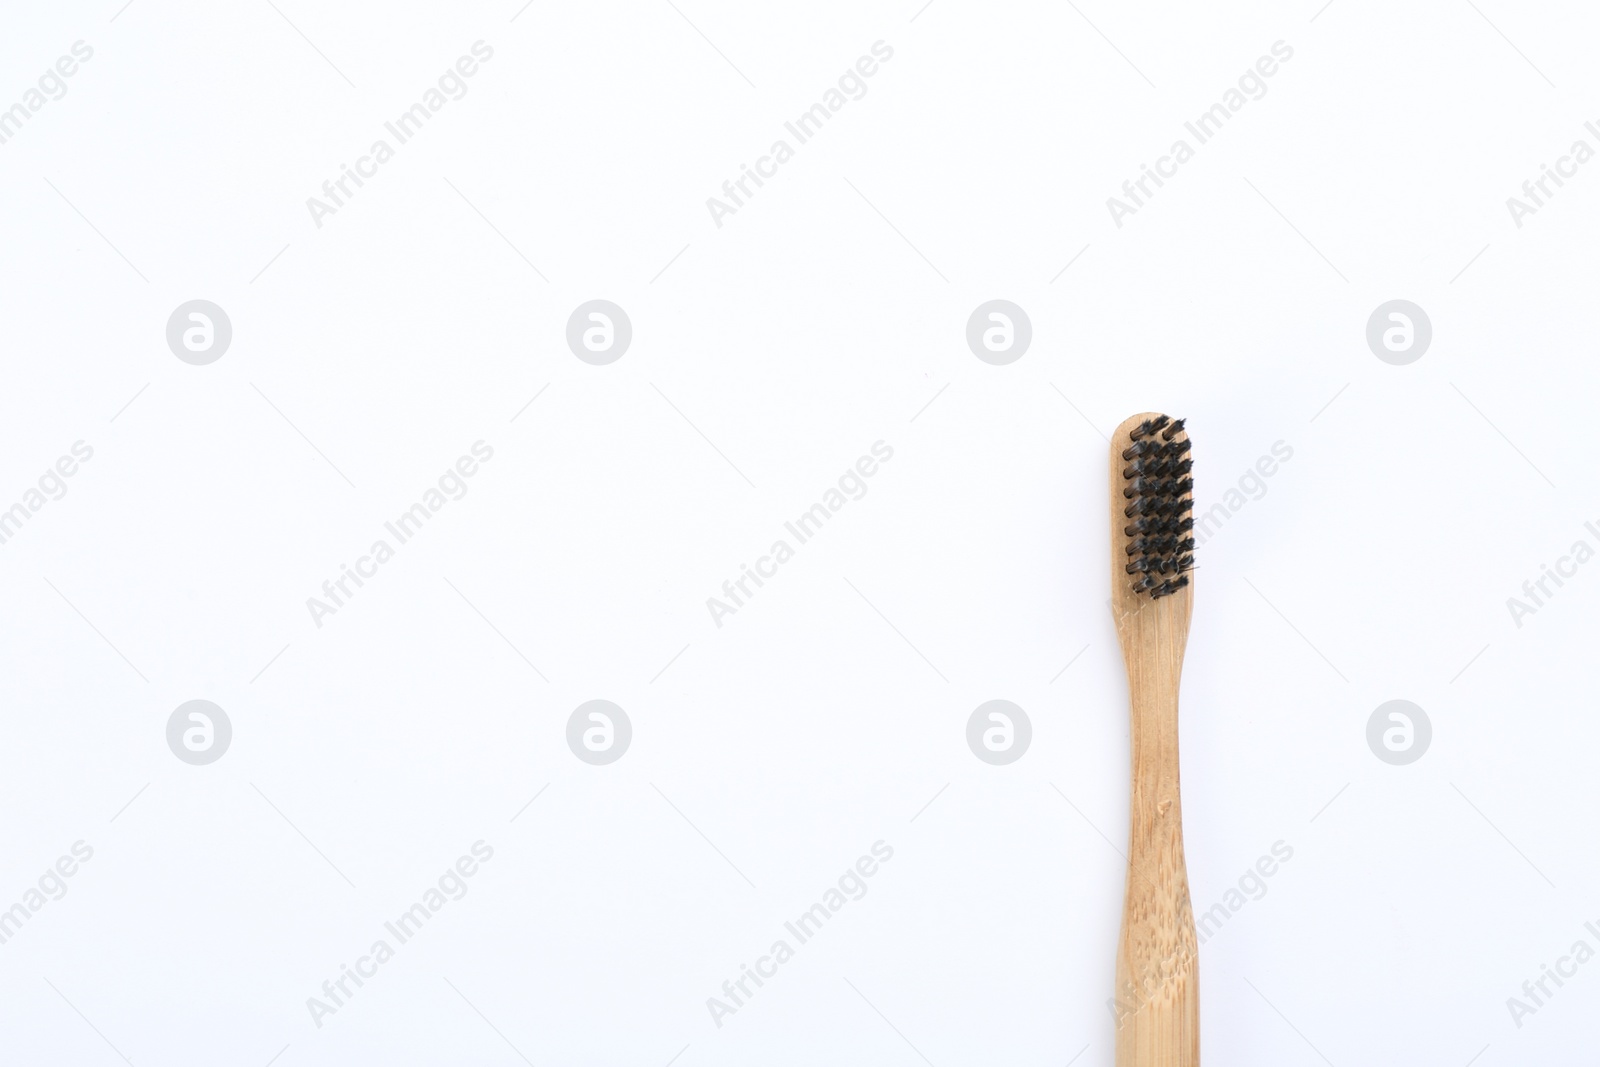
1157	1002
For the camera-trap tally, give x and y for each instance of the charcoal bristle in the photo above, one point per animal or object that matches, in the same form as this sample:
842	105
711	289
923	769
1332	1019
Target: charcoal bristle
1159	491
1148	427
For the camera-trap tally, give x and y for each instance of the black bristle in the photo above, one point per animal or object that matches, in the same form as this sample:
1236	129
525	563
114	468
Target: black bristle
1154	524
1148	427
1160	546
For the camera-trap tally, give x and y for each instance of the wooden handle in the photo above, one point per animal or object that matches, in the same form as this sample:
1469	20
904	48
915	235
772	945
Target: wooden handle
1157	1003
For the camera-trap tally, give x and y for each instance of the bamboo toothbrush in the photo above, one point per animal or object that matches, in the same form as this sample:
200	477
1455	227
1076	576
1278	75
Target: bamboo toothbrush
1157	1004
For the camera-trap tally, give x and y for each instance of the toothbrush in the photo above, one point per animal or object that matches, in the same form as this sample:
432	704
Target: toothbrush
1156	1005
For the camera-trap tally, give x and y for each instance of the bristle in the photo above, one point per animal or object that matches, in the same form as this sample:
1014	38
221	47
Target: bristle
1149	426
1160	546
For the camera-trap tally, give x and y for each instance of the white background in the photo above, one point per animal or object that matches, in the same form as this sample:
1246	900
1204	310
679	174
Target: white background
767	355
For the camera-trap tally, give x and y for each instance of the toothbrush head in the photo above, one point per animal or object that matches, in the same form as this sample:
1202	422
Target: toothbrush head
1158	495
